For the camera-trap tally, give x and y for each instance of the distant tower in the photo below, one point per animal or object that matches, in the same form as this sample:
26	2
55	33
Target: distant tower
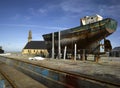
29	36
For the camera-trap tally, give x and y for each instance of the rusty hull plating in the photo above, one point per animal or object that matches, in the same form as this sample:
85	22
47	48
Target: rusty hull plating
84	36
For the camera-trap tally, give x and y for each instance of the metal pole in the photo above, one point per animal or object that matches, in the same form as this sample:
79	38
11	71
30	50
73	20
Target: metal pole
59	49
75	53
53	45
65	52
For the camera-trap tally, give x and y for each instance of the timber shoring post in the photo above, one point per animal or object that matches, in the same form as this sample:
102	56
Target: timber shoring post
75	52
53	45
59	48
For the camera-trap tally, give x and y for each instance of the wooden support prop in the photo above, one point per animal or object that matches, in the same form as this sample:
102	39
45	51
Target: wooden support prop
75	52
59	46
65	52
52	45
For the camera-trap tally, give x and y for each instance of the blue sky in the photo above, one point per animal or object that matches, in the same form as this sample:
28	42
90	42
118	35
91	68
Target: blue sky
17	17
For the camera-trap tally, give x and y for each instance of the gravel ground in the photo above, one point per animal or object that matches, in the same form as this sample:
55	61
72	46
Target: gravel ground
108	68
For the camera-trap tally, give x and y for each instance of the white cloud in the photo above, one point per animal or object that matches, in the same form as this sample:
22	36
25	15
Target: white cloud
43	11
113	10
78	6
35	26
27	17
19	16
88	7
70	5
37	12
15	17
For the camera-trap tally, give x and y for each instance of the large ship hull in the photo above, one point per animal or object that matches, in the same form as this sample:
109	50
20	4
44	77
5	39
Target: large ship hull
85	37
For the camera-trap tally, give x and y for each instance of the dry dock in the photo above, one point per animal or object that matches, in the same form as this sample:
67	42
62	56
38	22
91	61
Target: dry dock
17	79
107	69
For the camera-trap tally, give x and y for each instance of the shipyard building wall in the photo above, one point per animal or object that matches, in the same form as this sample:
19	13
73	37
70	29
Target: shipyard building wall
115	52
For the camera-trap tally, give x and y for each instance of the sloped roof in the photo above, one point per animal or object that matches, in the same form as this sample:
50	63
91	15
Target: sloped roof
116	49
35	45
